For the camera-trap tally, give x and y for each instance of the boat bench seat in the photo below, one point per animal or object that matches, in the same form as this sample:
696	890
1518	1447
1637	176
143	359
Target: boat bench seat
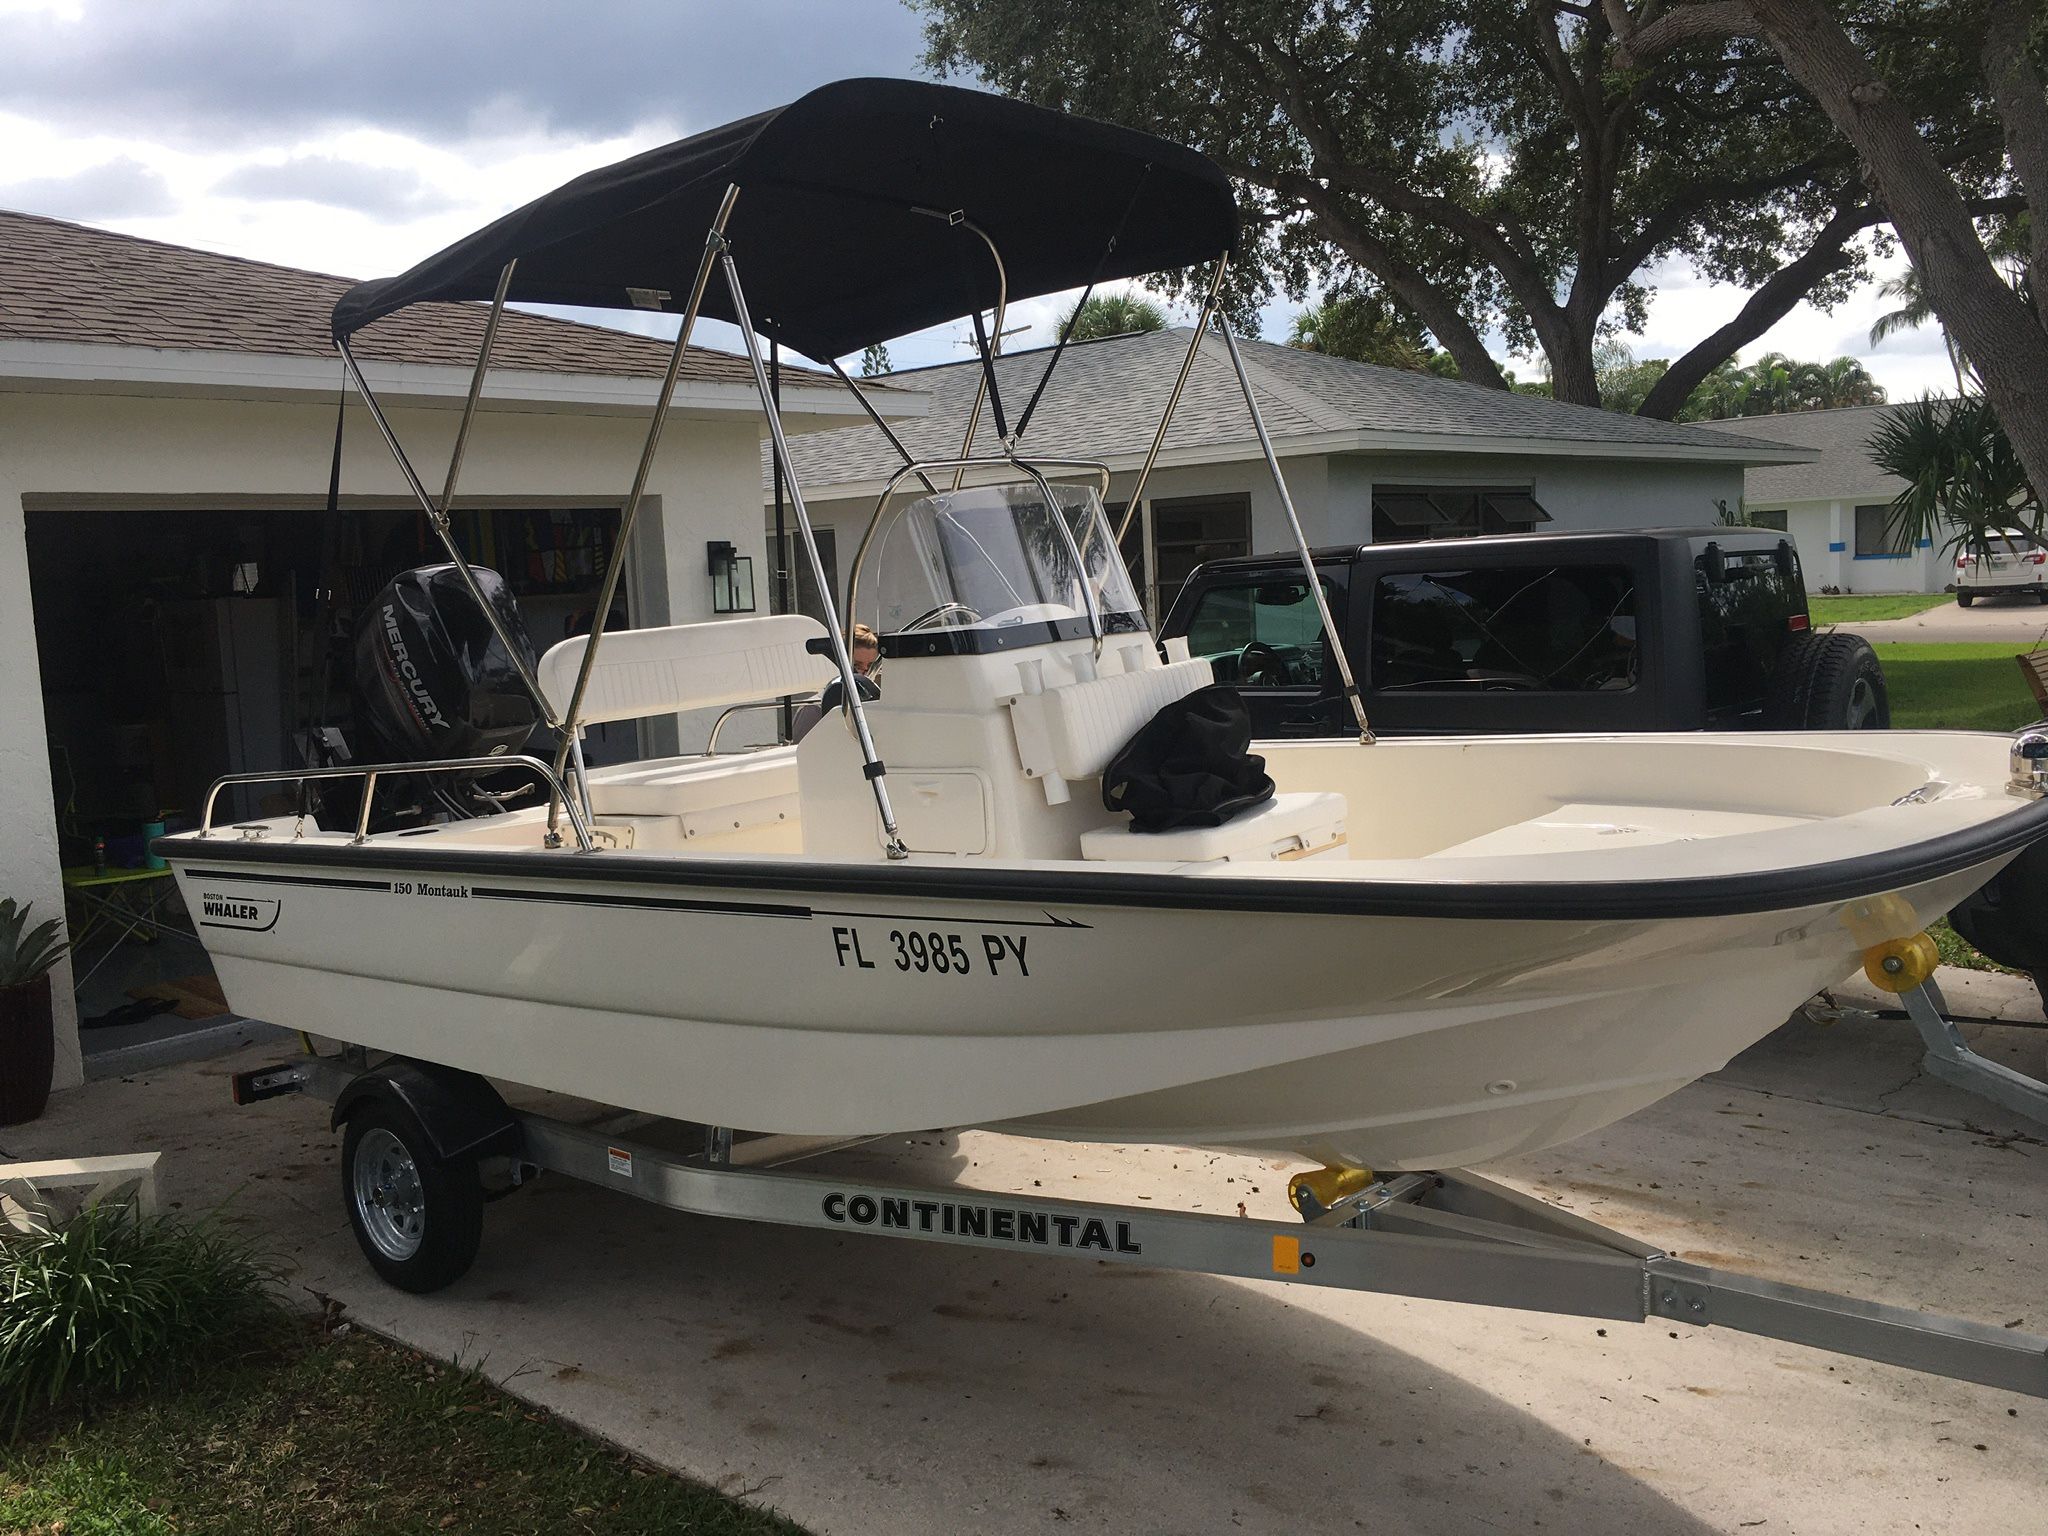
643	672
1069	734
1308	824
707	797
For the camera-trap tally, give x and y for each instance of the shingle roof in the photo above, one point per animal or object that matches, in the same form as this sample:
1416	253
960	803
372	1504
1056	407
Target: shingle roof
1106	398
69	282
1842	471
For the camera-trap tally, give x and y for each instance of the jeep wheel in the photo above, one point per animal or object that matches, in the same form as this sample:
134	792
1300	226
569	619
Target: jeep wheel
1829	682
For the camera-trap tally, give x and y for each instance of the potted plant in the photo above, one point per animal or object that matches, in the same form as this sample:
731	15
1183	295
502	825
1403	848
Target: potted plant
28	1039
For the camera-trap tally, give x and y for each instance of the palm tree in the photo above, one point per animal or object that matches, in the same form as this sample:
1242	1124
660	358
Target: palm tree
1913	312
1963	480
1364	327
1113	314
1844	382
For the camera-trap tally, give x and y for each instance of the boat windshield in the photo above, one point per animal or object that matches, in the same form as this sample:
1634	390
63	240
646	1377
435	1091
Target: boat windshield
987	568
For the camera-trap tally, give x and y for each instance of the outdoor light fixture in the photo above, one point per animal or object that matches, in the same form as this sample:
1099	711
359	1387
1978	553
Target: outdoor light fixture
732	577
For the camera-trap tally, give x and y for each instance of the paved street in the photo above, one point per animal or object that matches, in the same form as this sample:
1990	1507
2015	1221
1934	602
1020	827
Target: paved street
2016	621
868	1386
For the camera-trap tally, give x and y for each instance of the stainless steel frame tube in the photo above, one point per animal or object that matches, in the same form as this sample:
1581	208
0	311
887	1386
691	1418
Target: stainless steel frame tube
1180	383
713	244
995	341
871	761
1331	634
476	389
440	525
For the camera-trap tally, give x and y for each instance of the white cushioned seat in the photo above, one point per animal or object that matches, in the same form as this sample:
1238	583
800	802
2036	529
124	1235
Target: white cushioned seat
642	672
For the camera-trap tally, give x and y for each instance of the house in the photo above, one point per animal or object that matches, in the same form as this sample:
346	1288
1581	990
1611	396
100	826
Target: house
1836	504
1370	453
167	419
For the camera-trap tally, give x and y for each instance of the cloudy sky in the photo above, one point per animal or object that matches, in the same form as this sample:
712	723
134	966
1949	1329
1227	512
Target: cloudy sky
357	137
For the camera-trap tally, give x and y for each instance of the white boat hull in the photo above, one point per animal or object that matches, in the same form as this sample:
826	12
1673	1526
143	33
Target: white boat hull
1383	1041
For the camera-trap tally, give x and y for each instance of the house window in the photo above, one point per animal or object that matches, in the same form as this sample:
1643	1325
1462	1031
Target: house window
1401	512
1776	520
1191	530
797	561
1878	536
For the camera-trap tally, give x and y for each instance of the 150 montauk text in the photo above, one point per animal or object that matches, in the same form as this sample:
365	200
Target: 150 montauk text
934	952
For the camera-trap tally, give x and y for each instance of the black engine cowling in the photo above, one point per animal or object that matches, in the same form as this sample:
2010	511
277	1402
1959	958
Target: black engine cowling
433	680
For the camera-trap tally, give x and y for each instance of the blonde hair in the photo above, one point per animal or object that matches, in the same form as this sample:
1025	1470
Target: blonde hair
863	635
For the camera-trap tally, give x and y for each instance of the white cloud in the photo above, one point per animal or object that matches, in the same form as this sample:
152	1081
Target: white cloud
121	188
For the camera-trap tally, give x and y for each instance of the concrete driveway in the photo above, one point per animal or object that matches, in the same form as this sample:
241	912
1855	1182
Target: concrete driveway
2018	621
867	1386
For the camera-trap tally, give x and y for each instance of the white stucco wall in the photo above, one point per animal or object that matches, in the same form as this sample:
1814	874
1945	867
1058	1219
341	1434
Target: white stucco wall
61	451
1825	532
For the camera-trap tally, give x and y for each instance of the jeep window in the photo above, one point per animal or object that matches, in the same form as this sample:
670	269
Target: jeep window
1560	629
1263	632
1745	599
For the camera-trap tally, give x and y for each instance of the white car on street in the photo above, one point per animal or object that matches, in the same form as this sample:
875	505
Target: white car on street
2017	562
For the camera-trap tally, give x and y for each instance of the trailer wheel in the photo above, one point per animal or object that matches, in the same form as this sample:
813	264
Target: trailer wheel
1829	681
418	1218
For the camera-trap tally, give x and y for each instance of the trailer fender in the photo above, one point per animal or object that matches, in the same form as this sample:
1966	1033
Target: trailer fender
461	1113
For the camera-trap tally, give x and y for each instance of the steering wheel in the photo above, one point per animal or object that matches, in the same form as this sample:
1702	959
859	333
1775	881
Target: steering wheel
1260	666
944	610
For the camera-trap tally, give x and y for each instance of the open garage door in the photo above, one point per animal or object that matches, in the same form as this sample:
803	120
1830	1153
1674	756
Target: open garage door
178	645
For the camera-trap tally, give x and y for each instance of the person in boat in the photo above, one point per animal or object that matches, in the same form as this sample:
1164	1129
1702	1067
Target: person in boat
866	655
865	652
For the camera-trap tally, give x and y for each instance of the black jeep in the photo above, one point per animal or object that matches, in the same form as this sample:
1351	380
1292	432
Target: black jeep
1648	630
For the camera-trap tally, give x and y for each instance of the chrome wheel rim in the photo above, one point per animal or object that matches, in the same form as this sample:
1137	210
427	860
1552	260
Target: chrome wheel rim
389	1201
1862	706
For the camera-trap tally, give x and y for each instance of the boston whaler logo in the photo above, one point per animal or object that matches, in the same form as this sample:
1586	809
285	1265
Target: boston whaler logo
258	914
408	674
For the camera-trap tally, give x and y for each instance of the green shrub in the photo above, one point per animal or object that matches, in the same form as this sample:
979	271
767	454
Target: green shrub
111	1300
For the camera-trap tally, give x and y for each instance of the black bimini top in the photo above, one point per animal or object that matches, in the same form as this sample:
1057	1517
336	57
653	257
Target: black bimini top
841	233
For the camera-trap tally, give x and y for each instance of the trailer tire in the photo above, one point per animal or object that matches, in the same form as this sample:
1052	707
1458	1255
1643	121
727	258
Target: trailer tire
418	1218
1829	681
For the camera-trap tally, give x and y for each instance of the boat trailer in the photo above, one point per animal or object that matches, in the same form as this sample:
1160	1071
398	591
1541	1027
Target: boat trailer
1442	1236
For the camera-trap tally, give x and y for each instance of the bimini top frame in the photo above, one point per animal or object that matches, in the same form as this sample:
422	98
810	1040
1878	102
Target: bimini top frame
864	210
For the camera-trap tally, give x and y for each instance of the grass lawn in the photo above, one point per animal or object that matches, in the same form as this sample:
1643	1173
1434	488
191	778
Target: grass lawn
1866	610
1960	688
345	1437
1975	687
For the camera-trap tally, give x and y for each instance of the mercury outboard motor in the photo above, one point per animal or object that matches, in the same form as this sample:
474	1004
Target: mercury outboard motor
433	680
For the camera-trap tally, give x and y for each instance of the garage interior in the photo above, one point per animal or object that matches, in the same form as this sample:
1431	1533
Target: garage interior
177	643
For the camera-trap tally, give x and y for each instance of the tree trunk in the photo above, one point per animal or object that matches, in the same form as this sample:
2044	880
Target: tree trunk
2023	112
1995	328
1777	298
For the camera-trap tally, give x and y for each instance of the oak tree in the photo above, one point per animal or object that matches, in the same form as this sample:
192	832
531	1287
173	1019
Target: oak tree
1489	164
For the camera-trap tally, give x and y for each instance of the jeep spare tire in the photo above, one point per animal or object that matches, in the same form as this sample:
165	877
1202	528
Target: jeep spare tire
1829	682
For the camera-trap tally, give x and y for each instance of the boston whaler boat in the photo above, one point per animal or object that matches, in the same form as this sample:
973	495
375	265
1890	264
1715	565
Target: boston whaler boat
1414	955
